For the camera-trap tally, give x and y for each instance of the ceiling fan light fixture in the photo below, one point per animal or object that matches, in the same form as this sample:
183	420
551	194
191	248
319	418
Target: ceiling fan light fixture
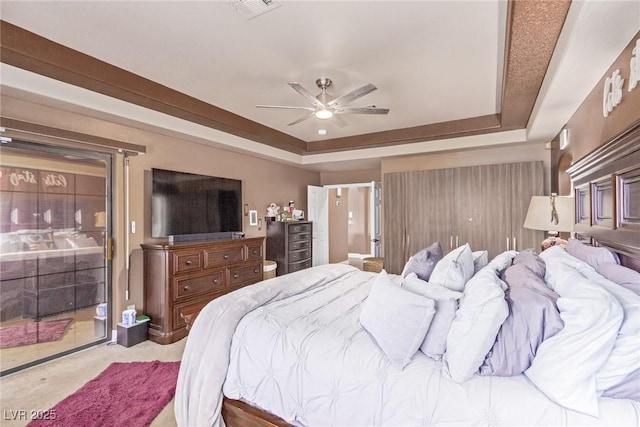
324	114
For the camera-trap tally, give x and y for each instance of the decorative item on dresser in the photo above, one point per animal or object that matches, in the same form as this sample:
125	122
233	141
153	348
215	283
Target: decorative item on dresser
289	244
182	278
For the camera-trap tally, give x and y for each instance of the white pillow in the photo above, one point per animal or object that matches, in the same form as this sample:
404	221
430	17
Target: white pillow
455	269
482	311
446	304
397	319
625	356
566	364
480	260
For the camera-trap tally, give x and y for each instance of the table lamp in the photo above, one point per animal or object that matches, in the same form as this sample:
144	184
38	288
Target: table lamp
553	214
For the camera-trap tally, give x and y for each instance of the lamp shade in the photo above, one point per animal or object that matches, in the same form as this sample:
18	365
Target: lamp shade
541	214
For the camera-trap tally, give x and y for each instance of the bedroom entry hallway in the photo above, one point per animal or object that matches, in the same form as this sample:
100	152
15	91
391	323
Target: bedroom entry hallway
354	222
54	276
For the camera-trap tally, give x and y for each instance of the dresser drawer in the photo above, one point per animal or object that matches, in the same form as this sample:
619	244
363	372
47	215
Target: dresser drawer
186	287
244	275
254	252
299	228
297	237
299	244
295	266
222	257
186	261
302	255
187	311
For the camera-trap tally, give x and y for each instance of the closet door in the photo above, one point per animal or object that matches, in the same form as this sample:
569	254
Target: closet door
417	213
469	201
395	192
527	180
496	215
429	208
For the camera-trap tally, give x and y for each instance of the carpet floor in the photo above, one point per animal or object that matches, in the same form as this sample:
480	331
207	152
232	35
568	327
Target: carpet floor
33	332
125	394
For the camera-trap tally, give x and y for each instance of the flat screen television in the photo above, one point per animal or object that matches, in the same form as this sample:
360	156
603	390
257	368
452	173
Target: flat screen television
186	204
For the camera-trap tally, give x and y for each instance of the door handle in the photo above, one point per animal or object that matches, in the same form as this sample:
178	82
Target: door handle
507	243
514	244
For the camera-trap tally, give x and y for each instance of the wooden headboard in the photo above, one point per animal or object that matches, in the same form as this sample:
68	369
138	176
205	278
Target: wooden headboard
606	186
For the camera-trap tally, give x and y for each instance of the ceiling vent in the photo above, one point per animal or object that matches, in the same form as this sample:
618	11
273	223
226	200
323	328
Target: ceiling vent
252	8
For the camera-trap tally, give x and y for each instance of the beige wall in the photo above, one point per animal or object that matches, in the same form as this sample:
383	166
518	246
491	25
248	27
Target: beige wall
338	228
589	128
263	181
350	177
358	223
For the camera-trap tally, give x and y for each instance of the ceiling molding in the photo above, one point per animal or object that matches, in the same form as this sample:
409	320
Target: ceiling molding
26	50
532	33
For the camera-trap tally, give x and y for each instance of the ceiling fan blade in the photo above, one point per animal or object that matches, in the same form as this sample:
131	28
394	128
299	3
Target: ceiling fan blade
302	91
363	110
302	119
339	121
286	107
353	95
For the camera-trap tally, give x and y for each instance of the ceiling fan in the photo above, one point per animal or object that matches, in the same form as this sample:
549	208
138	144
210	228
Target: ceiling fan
326	106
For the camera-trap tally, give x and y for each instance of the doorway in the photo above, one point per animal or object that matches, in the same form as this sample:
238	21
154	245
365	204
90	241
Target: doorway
354	217
55	226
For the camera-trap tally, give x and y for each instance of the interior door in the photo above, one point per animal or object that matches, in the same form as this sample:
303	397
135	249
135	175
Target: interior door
376	218
318	212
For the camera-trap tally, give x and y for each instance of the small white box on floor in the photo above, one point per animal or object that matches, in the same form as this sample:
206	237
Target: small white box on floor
128	317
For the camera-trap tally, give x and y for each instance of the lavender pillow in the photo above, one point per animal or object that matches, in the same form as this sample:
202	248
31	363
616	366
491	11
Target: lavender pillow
423	262
592	255
623	276
533	317
629	388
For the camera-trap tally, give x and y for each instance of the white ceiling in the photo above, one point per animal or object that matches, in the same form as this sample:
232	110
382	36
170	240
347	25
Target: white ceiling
432	61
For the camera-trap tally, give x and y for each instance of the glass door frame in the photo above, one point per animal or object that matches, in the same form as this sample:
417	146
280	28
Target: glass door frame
108	275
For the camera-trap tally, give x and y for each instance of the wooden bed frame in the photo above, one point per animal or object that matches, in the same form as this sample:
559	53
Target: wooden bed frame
611	171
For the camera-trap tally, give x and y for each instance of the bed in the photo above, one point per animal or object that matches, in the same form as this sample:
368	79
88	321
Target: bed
331	345
294	346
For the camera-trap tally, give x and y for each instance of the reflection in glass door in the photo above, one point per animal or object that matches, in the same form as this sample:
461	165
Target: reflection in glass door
54	274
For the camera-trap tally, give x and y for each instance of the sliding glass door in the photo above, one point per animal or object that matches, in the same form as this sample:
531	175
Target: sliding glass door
55	206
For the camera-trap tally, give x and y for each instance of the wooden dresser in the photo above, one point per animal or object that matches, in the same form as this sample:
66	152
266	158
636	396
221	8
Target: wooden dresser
180	279
289	244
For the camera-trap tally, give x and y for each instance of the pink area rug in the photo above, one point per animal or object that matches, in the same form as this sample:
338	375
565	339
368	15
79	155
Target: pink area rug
124	394
33	332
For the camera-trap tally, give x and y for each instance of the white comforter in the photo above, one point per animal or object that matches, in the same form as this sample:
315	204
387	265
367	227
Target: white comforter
294	346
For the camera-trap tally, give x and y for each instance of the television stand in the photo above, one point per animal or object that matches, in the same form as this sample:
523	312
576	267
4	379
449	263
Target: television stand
181	278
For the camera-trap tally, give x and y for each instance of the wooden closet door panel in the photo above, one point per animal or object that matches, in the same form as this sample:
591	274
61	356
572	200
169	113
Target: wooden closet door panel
429	207
496	208
527	181
469	204
393	207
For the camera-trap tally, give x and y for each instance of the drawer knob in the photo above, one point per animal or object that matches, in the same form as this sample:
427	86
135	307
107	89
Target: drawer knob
186	287
235	276
189	262
254	252
255	271
215	281
225	256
